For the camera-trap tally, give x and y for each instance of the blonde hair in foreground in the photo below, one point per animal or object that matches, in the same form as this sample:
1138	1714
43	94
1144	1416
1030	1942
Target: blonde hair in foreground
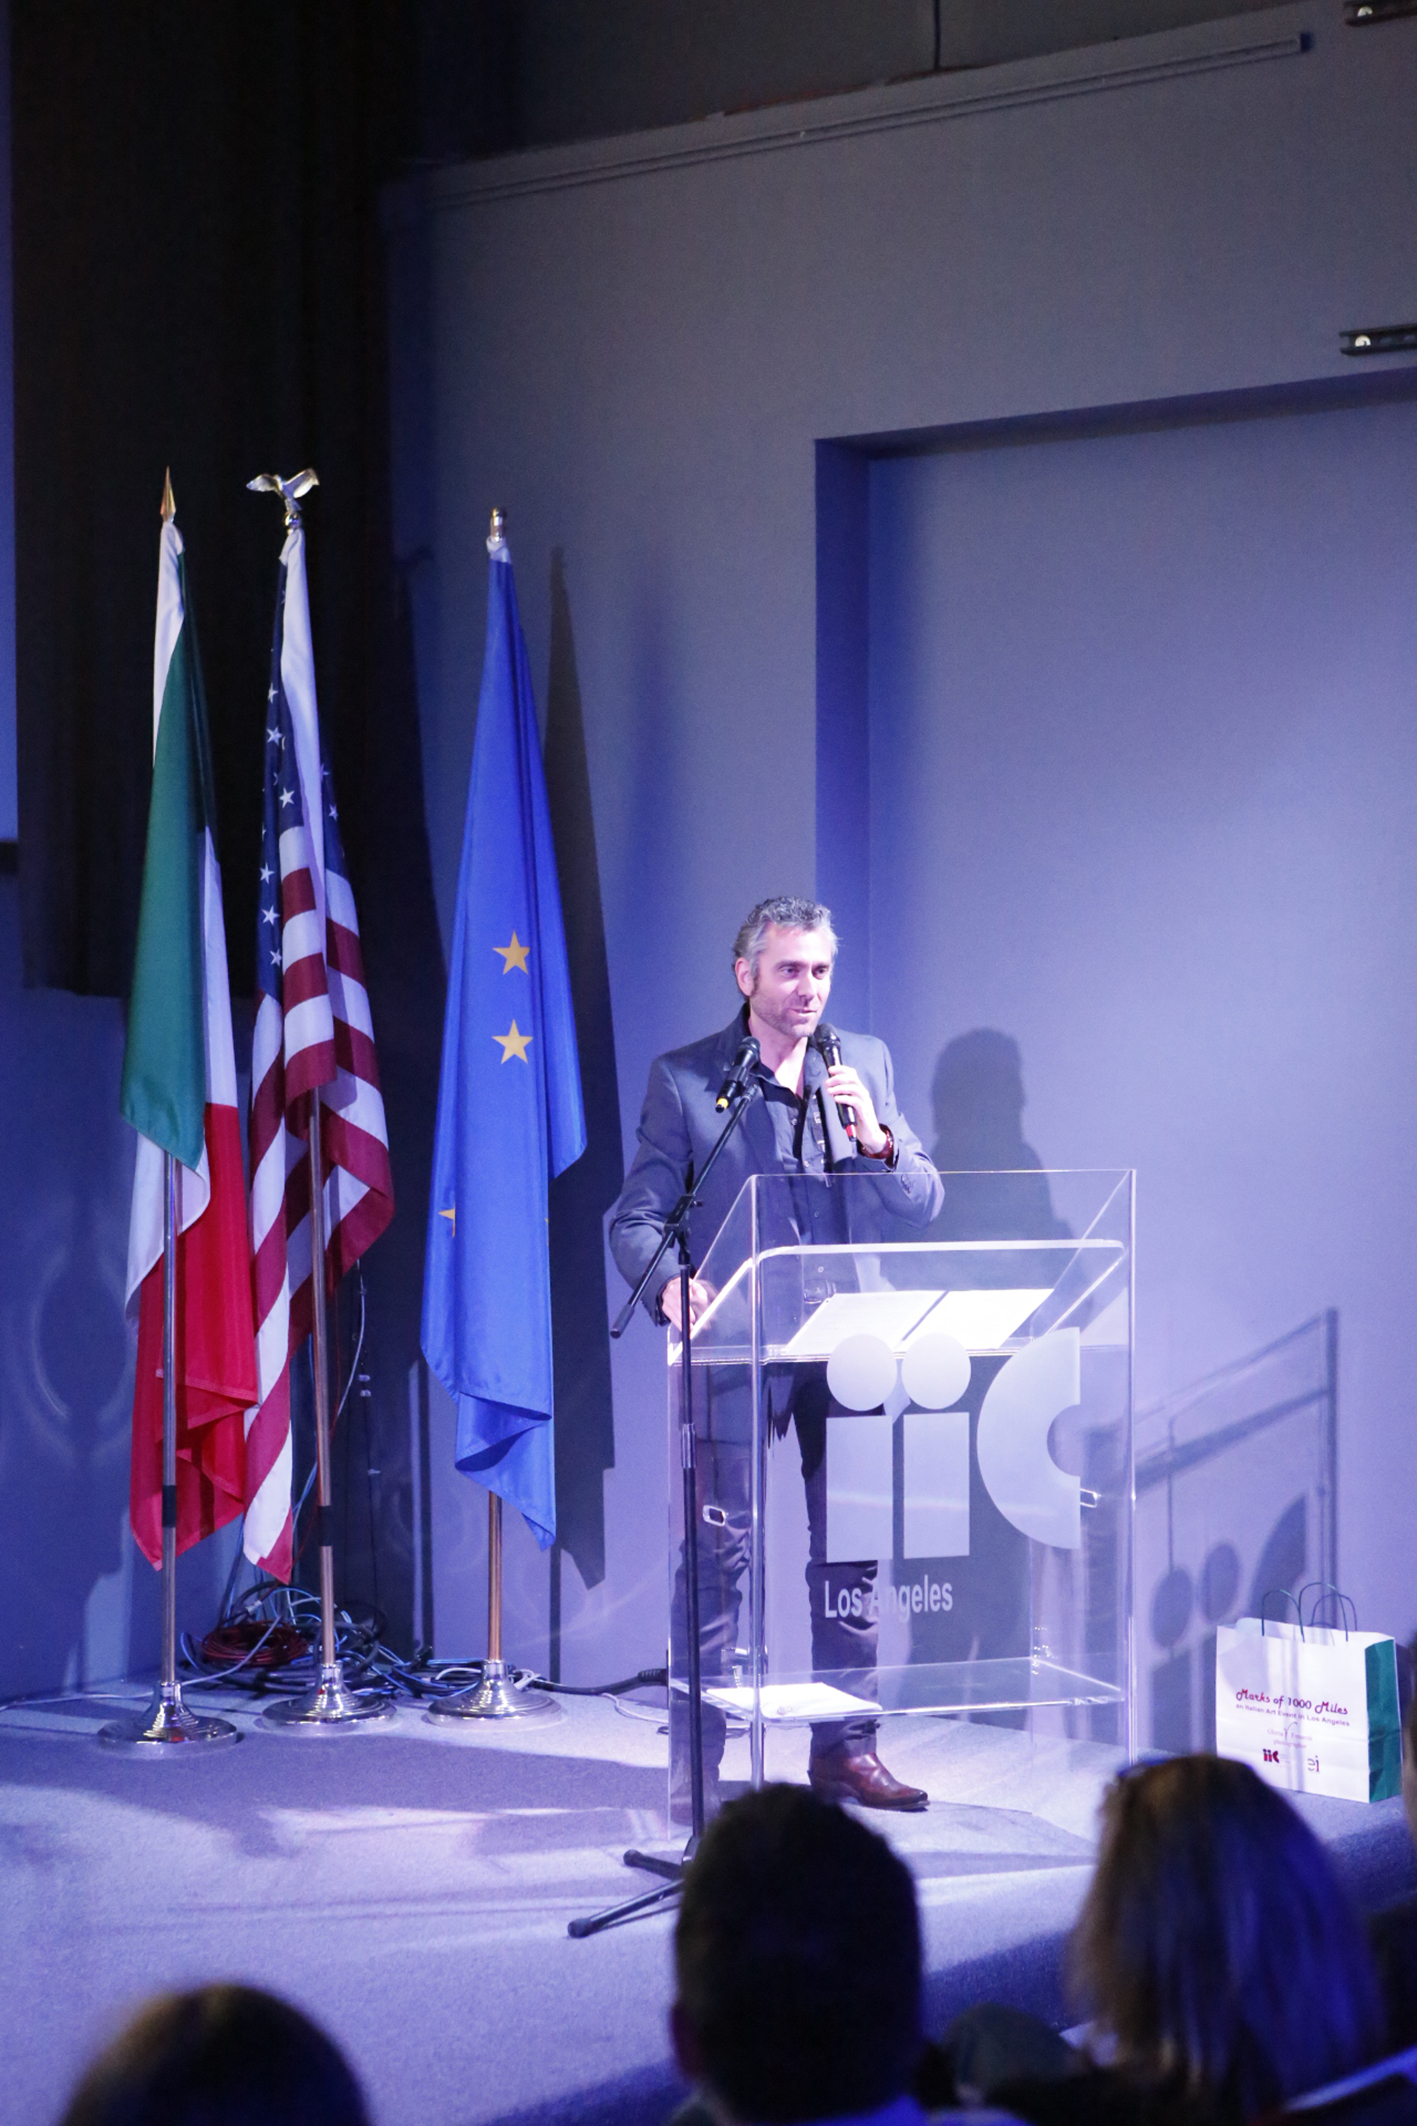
1216	1947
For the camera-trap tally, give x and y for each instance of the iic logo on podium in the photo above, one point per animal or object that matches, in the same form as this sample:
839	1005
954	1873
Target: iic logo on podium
875	1388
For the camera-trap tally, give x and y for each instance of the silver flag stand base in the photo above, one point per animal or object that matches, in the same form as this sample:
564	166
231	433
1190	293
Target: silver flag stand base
330	1705
166	1723
496	1697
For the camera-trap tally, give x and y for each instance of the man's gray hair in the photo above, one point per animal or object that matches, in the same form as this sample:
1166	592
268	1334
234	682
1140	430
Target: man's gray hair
788	912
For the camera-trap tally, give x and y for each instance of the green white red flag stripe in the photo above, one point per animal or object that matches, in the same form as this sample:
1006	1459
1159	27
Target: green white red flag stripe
179	1092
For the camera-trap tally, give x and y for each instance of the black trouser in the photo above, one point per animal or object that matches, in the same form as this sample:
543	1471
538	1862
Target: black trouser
843	1644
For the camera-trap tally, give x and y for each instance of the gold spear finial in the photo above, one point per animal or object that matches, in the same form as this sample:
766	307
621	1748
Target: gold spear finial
497	531
169	501
290	491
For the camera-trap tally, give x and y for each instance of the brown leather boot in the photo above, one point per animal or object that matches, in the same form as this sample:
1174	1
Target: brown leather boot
862	1779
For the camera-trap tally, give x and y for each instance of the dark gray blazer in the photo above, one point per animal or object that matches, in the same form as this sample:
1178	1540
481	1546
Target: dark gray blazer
679	1125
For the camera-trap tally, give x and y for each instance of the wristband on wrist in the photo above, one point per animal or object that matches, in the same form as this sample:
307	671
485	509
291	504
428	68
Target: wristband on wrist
887	1152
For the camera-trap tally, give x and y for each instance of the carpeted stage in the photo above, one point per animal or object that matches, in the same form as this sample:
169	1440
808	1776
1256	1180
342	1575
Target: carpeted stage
410	1884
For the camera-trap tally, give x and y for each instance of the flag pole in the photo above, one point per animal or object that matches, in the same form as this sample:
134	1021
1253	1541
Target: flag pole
331	1703
324	1489
498	1696
167	1719
295	1109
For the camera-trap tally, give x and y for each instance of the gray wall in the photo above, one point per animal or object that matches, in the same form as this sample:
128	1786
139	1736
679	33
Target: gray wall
634	349
83	1607
1142	761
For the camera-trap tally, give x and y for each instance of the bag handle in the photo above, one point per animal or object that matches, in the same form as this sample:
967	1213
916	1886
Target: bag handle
1285	1596
1344	1602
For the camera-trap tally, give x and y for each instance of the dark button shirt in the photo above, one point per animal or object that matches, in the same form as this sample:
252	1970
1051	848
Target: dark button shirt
800	1144
799	1133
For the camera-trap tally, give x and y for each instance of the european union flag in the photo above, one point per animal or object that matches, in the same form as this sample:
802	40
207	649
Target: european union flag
509	1097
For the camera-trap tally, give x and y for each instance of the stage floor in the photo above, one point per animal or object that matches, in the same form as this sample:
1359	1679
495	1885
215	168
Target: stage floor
409	1883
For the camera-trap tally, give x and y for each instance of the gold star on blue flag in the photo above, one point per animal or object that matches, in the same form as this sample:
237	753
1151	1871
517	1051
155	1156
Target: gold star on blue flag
513	1043
509	1096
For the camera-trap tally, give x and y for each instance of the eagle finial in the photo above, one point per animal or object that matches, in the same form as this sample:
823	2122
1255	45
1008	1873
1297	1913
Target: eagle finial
290	491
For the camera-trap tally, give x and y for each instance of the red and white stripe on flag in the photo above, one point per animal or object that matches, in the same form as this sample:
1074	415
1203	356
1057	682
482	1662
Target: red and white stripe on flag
313	1030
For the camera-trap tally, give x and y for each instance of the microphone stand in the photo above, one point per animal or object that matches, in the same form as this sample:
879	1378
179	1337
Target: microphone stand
676	1232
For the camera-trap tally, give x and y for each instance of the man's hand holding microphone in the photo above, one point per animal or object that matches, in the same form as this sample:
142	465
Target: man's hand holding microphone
855	1108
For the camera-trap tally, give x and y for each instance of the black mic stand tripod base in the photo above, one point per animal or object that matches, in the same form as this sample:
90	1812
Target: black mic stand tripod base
676	1229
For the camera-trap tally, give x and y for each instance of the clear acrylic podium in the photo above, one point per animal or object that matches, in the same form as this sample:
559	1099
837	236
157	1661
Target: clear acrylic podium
913	1463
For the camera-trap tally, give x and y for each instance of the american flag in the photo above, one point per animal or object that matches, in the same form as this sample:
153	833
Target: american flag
313	1030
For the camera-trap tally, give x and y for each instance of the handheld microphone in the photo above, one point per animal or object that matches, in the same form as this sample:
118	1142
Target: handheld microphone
749	1051
827	1041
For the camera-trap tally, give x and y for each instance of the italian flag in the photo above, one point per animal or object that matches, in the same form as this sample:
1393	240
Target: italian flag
179	1093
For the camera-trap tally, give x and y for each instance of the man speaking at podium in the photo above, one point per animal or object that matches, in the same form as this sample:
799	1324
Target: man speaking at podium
811	1112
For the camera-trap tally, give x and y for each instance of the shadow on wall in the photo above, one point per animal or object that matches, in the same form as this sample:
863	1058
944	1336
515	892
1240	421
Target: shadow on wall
994	1190
66	1361
80	1605
374	1478
998	1191
581	1196
1182	1681
1235	1482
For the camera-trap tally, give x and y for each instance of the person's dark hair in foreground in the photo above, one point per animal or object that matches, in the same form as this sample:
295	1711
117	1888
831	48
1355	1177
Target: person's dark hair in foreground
219	2056
797	1957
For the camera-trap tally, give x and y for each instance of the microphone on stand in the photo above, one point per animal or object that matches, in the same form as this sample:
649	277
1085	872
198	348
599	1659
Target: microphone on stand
827	1041
736	1082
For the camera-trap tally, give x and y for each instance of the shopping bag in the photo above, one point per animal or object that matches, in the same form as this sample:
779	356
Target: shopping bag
1312	1707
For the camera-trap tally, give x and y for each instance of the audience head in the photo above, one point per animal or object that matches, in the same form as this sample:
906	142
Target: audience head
797	1955
1216	1947
220	2056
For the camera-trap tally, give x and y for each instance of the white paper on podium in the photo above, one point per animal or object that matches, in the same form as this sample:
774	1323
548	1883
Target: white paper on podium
793	1701
890	1315
979	1320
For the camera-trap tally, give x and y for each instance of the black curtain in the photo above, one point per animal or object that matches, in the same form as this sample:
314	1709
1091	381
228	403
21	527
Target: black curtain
199	284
